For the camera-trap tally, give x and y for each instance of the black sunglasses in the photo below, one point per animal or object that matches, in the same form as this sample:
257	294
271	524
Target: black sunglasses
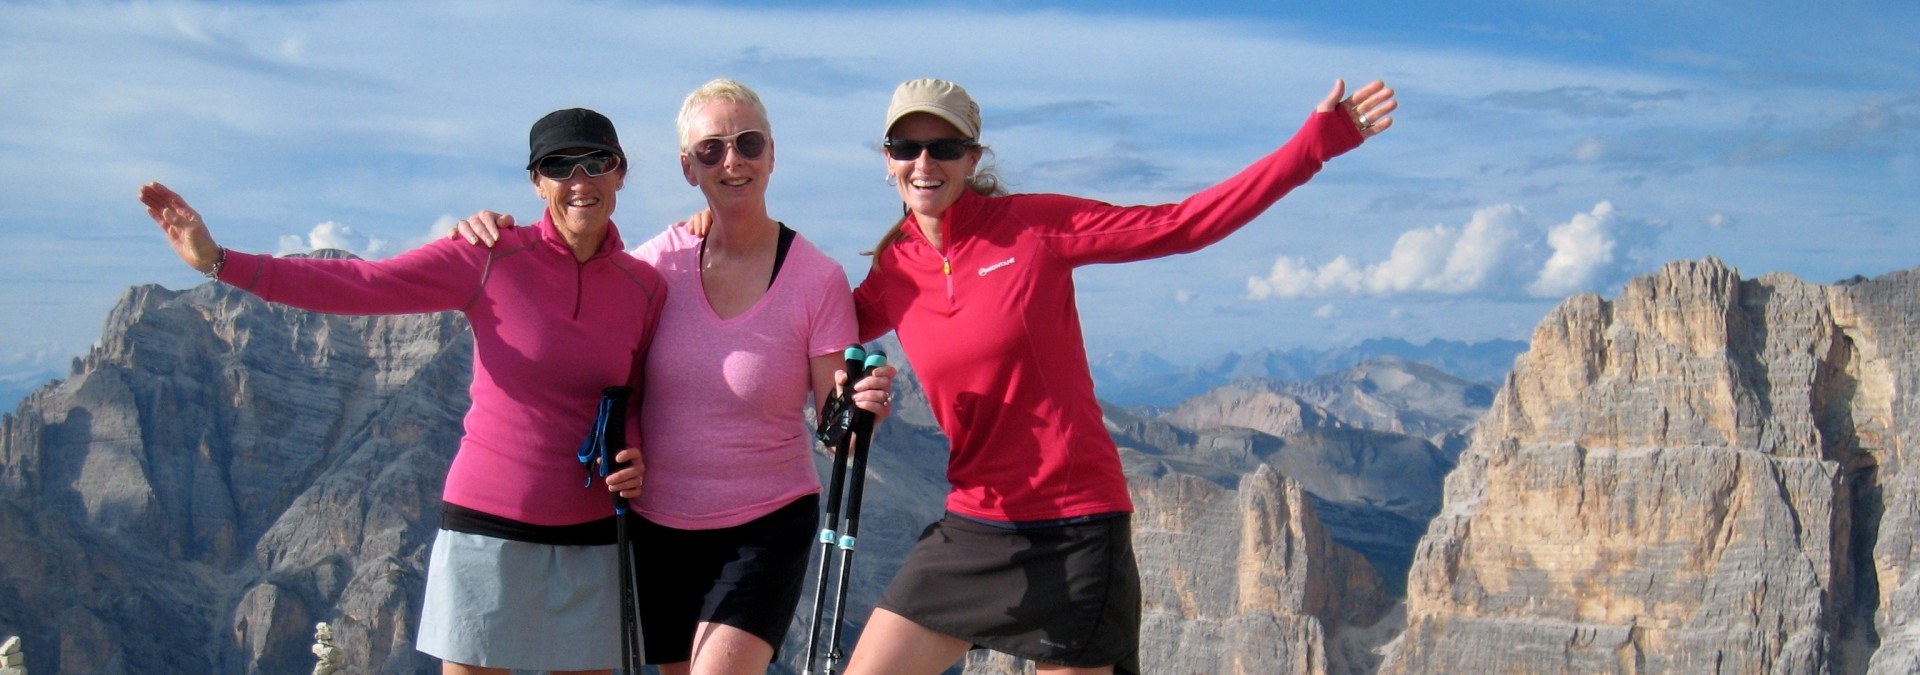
749	144
560	167
944	150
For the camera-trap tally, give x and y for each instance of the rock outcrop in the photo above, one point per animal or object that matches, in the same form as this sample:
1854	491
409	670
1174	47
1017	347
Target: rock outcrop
1707	474
1247	580
12	661
218	475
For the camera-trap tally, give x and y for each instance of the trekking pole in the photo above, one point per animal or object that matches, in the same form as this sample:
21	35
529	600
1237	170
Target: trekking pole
862	433
835	422
608	438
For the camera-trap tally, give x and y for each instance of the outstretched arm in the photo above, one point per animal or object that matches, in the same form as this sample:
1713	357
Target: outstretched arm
1085	232
184	229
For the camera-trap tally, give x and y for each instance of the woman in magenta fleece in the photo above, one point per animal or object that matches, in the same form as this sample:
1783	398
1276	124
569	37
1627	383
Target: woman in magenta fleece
1034	557
520	571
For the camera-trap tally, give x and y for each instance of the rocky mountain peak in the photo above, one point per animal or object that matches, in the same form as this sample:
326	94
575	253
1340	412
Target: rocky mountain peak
1704	474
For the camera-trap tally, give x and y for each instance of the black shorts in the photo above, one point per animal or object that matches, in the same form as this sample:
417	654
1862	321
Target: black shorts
747	577
1064	595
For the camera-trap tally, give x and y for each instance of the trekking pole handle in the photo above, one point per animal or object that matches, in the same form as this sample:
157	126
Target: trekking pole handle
613	435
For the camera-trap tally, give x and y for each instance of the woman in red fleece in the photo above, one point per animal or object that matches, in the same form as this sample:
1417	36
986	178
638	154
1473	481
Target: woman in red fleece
1034	557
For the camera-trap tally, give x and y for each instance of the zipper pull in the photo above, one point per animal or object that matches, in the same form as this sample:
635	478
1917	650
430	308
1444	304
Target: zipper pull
946	266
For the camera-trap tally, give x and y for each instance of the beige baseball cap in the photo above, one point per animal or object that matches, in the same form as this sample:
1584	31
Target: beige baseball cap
940	98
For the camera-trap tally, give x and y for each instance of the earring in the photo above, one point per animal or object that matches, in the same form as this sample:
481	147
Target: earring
891	181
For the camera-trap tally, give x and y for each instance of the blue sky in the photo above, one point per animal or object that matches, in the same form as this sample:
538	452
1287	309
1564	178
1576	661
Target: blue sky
1542	149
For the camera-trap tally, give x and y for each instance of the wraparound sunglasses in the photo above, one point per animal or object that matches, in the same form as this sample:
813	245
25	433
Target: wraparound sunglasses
560	167
943	149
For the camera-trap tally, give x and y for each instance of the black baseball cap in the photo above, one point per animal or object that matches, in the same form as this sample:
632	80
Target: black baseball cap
572	128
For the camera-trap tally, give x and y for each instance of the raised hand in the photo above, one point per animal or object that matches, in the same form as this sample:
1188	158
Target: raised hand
184	229
1369	107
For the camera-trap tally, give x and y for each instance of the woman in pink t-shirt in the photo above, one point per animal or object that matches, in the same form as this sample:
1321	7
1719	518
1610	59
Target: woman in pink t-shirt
756	321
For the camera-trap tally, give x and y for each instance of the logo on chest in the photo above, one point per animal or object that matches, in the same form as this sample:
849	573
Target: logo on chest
985	270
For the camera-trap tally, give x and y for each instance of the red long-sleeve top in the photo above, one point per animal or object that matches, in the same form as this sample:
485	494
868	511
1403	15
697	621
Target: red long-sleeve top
989	324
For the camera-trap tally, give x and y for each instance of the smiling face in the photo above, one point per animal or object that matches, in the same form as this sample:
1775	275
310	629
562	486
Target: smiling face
927	185
581	204
734	180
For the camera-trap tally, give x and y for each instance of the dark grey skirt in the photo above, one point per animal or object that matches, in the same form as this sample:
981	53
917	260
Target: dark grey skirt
1064	594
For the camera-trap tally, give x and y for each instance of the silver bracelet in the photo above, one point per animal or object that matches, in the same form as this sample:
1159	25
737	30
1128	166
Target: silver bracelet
219	261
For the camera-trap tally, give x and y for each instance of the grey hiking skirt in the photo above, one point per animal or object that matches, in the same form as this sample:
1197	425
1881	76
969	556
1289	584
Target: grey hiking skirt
513	604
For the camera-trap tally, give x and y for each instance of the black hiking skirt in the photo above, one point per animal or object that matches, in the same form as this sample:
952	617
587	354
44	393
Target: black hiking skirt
1066	594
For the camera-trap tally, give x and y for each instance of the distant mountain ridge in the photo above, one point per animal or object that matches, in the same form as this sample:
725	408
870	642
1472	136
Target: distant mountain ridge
1147	379
1371	446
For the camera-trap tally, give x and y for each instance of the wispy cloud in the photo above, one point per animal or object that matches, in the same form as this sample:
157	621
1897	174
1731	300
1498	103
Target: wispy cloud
1118	170
1692	58
1048	112
803	72
1584	101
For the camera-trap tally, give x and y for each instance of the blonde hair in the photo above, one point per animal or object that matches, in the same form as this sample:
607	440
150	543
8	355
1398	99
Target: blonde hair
985	182
720	89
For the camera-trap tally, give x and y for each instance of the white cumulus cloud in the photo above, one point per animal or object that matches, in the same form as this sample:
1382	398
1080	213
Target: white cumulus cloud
1501	251
336	236
1583	252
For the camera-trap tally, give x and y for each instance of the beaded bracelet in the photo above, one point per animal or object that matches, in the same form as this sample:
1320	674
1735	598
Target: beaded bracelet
219	261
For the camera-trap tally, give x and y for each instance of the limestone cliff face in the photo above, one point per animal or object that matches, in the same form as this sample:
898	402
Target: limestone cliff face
217	475
1247	580
1706	474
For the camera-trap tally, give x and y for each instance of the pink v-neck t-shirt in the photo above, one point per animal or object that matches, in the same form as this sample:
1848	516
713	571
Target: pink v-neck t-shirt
724	413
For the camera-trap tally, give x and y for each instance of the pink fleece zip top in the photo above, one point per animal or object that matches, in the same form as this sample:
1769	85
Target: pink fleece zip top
990	326
550	333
